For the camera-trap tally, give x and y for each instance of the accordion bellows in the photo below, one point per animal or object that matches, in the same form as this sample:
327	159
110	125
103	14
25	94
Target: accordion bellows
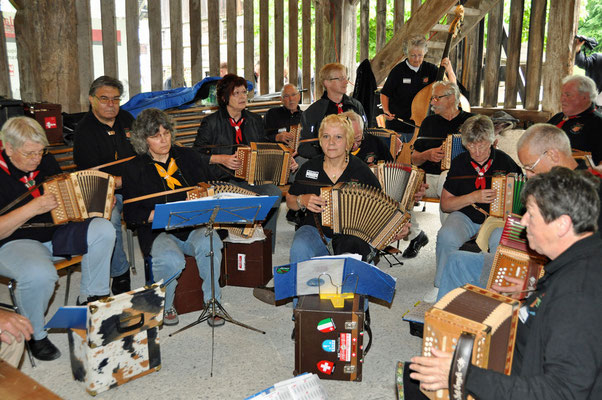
452	147
264	163
388	136
399	181
492	318
81	195
363	211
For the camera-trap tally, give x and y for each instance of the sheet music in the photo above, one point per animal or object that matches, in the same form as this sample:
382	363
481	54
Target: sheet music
303	387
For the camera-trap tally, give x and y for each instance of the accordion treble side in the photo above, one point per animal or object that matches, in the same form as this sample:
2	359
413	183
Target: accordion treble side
264	163
388	136
399	181
507	198
452	147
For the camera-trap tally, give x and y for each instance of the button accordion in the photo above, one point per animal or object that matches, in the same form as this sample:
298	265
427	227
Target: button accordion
389	138
264	163
399	181
585	156
452	147
81	195
363	211
507	200
295	130
490	317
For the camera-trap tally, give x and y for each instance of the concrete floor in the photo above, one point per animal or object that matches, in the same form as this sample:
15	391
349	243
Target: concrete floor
246	362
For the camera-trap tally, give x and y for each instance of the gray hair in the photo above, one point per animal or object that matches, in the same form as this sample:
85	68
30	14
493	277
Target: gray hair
17	130
543	137
105	81
354	117
285	85
584	85
565	192
146	125
450	88
477	129
415	41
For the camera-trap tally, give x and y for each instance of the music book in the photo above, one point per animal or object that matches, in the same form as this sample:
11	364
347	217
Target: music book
69	317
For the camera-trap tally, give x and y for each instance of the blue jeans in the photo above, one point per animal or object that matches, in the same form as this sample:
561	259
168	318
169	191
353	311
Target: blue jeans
119	262
307	244
168	259
462	267
30	263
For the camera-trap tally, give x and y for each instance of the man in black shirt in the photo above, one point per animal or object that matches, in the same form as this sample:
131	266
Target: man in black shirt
592	64
101	137
278	120
368	148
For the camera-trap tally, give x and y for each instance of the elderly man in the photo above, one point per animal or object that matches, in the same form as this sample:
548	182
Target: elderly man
579	118
557	353
367	148
103	136
540	148
29	241
278	120
334	101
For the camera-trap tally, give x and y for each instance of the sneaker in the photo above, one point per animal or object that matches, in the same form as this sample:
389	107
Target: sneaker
170	317
43	349
215	322
431	295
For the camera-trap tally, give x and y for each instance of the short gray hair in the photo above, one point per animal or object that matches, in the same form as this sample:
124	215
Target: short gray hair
288	84
17	130
543	137
105	81
146	125
415	41
584	85
354	117
476	129
450	88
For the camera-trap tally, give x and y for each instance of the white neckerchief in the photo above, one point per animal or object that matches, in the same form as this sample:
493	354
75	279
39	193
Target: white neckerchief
415	69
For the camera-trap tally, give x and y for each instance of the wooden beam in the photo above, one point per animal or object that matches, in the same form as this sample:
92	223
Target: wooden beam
415	6
214	27
293	42
5	89
249	39
154	33
493	57
398	14
562	26
109	38
264	51
85	58
175	33
231	36
513	53
476	63
364	29
381	24
537	26
133	46
278	44
306	49
196	55
533	116
320	10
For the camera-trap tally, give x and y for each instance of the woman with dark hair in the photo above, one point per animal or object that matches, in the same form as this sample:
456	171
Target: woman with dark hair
222	131
158	167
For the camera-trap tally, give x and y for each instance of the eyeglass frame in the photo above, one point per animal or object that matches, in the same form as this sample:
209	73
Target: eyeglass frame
530	168
340	79
107	100
437	98
33	154
236	94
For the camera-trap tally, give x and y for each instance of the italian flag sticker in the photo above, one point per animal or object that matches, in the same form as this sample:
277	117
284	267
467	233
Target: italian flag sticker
326	325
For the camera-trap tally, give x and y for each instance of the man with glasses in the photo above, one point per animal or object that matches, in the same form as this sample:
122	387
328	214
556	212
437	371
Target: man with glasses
334	101
278	120
101	137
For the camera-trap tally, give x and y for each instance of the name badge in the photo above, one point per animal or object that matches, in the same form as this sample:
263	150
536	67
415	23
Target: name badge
407	81
523	314
311	174
281	130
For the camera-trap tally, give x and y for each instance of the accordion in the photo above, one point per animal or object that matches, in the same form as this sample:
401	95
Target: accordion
507	198
513	257
389	138
215	188
363	211
81	195
452	147
585	156
399	181
295	130
490	317
264	163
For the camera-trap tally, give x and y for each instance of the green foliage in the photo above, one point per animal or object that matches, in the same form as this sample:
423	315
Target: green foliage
590	22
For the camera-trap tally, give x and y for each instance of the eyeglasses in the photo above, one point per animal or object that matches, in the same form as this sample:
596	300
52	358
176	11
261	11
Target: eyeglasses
478	147
34	154
340	79
437	98
107	100
531	167
287	96
237	93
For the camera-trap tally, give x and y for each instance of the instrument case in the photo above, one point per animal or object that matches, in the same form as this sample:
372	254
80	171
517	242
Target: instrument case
247	264
189	292
50	117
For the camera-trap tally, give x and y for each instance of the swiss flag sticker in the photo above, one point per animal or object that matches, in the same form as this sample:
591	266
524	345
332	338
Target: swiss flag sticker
326	367
50	122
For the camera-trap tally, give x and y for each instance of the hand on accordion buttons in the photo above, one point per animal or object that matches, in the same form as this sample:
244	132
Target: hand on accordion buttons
293	165
484	196
436	154
284	137
432	372
421	192
313	203
405	231
514	290
43	204
228	161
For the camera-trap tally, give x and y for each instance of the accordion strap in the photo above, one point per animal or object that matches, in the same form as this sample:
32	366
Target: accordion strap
18	199
459	366
319	227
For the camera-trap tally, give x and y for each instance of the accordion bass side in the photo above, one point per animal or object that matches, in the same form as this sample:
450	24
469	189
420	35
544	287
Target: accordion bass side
363	211
295	130
81	195
264	163
490	317
452	147
389	138
507	198
586	156
399	181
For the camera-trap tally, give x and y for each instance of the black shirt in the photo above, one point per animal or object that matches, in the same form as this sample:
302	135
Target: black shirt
592	65
435	126
584	131
466	178
280	118
372	150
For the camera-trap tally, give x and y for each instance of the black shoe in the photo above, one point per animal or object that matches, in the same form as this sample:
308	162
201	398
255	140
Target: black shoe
415	245
90	299
265	294
43	349
293	335
121	283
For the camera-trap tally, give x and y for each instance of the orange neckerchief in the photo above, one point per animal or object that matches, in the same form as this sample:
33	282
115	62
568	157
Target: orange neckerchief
167	175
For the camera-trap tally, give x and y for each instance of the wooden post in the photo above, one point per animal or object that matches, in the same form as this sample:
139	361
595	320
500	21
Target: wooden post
306	44
398	14
249	46
85	58
476	63
214	23
491	78
415	6
513	59
109	38
381	24
562	26
133	46
264	51
5	89
365	29
231	35
196	55
278	44
154	33
293	42
175	32
320	9
348	37
535	53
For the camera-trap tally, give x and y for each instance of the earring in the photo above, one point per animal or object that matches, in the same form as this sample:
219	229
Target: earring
347	157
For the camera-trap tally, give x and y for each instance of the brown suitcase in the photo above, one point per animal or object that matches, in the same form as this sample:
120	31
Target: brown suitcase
189	292
247	265
328	340
50	117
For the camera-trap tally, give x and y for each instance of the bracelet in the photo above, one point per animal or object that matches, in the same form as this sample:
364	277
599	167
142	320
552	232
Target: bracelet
299	204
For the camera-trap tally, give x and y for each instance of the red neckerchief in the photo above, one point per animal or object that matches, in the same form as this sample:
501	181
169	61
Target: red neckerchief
27	179
480	181
236	126
340	108
561	123
594	172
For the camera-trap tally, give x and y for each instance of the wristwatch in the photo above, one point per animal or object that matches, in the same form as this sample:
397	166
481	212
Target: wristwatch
301	206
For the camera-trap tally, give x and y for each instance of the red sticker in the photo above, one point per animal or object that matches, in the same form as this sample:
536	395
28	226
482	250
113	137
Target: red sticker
50	122
326	367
